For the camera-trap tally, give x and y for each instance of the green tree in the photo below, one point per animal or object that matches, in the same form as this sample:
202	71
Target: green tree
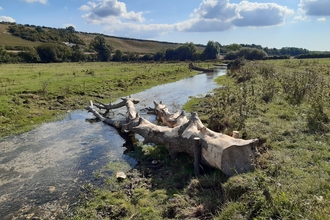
39	29
71	29
231	55
130	57
192	47
233	47
170	54
54	52
147	57
103	49
159	56
211	51
185	51
251	54
29	55
77	54
118	56
4	57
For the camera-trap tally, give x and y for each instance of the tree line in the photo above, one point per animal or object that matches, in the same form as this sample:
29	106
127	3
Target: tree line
100	50
284	51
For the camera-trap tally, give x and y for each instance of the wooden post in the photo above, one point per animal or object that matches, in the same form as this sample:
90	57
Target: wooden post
235	134
197	156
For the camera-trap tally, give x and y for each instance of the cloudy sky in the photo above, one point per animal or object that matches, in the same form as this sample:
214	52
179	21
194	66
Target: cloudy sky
270	23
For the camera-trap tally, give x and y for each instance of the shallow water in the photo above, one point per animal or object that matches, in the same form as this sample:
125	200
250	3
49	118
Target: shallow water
41	171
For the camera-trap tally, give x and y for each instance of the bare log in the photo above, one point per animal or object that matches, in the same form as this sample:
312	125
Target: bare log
229	154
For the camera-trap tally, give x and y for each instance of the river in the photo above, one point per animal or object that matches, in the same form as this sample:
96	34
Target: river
41	171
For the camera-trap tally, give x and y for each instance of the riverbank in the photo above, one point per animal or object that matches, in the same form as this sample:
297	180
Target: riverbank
264	100
31	94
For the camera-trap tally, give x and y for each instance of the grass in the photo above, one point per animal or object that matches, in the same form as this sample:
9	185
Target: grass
293	167
34	93
292	175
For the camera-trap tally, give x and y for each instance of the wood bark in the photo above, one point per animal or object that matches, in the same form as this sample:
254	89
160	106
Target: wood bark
178	134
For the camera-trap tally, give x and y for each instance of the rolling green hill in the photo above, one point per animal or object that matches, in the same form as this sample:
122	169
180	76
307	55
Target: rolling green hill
124	44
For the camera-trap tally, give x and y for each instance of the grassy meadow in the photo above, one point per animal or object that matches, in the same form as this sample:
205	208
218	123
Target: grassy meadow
283	103
286	105
31	94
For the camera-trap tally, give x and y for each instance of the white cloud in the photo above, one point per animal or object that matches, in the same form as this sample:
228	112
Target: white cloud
85	8
7	19
321	19
219	15
261	14
315	7
139	31
210	16
113	9
300	18
41	1
1	8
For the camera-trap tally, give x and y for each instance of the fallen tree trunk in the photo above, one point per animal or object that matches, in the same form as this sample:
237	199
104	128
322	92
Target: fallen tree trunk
205	70
229	154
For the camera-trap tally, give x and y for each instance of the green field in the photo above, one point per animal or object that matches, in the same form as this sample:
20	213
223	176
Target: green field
34	93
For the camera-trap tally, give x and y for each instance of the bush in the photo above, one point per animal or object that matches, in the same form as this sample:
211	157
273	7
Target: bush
247	53
54	53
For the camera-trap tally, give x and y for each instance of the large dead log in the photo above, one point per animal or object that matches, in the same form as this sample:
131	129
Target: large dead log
231	155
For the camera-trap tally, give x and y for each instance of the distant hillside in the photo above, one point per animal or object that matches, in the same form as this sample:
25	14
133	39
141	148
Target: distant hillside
124	44
133	45
7	39
40	35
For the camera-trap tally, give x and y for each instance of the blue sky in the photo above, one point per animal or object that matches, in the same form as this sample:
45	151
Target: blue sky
270	23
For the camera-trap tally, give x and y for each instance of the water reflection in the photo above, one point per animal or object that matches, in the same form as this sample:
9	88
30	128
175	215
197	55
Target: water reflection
41	170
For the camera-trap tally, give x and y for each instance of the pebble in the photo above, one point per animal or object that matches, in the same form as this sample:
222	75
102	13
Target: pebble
52	189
